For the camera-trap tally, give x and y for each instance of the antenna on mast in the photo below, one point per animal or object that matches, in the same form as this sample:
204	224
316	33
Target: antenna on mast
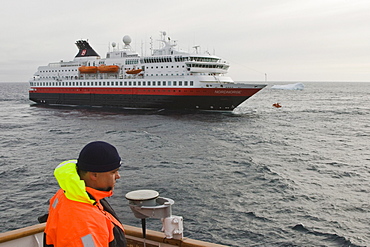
163	34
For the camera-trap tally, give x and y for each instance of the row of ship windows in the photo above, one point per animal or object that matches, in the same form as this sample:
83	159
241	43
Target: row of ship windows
116	83
132	61
96	76
59	70
177	59
209	66
75	70
157	67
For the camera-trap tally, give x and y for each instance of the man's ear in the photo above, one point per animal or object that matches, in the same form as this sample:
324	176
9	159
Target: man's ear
93	176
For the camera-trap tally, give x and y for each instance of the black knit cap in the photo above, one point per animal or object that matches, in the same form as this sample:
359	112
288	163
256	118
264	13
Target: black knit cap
98	156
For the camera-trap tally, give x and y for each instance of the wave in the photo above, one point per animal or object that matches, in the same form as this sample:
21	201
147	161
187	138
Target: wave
328	237
254	216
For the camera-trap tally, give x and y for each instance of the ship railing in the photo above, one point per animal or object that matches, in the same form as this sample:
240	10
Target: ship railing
32	236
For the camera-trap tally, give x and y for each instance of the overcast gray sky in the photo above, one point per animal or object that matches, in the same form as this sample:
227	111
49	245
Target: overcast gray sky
290	40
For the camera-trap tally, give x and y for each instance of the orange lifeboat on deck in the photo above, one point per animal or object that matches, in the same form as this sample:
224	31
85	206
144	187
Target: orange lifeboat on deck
88	69
134	71
108	69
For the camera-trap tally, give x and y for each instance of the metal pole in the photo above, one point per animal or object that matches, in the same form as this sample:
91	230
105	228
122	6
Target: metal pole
143	226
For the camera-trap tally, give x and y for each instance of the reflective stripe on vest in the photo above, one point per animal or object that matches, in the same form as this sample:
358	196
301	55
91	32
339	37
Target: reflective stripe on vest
55	203
88	241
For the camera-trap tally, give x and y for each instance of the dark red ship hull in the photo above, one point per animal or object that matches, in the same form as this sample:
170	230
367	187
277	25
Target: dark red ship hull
222	99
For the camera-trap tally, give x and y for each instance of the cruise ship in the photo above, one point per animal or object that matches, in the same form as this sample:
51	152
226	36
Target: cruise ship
167	79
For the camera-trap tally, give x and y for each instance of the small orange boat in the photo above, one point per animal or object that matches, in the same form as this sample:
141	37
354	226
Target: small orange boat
134	71
108	69
277	105
88	69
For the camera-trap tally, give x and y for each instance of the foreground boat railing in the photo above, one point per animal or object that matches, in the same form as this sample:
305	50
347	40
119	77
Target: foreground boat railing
32	236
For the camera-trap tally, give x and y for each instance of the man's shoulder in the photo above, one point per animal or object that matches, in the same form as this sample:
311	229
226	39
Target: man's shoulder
61	203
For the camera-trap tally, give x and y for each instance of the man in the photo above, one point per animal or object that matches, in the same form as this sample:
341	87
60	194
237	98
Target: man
78	213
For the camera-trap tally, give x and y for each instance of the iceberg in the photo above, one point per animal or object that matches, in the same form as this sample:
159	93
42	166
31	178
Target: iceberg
295	86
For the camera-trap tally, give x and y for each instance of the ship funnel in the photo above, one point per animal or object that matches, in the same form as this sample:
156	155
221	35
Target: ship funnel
147	204
85	50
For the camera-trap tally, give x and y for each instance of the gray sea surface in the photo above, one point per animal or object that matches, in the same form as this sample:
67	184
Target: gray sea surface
298	175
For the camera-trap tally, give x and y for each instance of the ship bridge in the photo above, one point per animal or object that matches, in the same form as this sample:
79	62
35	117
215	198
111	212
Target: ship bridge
206	64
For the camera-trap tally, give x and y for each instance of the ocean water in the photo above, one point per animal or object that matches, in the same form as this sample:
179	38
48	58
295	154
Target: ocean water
298	175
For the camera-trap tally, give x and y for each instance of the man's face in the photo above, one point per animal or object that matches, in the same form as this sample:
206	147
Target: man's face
106	180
